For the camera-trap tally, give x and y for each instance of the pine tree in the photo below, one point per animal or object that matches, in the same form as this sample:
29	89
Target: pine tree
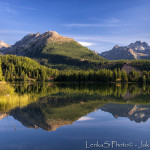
115	75
124	76
7	75
22	75
43	75
119	74
1	73
25	77
143	79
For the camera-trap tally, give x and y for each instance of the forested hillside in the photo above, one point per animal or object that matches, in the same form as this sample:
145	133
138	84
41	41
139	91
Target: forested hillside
23	68
104	75
18	68
70	55
141	65
1	73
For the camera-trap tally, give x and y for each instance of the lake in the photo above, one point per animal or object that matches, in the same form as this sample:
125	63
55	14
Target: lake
47	116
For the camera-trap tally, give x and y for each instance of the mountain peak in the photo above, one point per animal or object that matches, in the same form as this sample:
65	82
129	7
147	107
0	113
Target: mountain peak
138	42
53	33
3	44
138	46
50	48
53	36
50	33
137	50
116	46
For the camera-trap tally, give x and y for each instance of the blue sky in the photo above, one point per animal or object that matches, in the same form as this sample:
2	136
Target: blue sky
98	24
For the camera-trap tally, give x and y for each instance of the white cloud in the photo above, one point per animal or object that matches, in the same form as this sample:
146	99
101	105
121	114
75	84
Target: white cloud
86	43
125	40
85	118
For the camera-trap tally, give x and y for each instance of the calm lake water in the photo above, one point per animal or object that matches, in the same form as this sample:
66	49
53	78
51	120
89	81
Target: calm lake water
75	117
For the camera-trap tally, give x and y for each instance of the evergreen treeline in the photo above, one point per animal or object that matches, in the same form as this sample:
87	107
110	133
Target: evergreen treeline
142	64
103	75
17	68
1	73
23	68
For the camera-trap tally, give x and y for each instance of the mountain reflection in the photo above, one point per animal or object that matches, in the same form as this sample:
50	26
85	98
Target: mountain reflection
137	113
48	106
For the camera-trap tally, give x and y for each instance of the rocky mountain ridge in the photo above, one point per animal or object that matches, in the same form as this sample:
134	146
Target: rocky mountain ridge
33	42
53	50
137	113
3	45
137	50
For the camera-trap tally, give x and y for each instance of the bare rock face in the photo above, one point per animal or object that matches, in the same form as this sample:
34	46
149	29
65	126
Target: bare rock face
139	46
34	43
53	36
3	45
137	50
50	48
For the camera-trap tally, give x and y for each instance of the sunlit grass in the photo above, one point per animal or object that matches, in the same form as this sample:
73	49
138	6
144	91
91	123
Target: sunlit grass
8	102
5	88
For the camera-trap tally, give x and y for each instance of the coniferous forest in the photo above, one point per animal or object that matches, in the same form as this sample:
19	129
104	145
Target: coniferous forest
104	75
18	68
1	73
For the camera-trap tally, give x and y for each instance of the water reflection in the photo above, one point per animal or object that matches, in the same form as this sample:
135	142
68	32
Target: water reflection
137	113
48	106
